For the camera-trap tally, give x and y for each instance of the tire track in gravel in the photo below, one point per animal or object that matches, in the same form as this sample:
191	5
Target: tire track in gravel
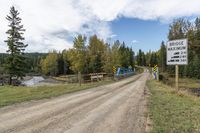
64	113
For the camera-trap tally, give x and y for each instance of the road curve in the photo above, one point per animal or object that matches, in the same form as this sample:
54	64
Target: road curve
115	108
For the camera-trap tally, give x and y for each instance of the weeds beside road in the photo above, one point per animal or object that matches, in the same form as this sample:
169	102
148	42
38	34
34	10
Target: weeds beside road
11	94
173	112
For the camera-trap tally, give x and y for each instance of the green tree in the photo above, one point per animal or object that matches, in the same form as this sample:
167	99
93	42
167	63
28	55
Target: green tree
196	65
61	64
115	54
154	59
49	65
148	58
139	58
67	63
143	59
195	46
96	51
178	29
131	59
124	56
107	62
162	57
77	55
16	62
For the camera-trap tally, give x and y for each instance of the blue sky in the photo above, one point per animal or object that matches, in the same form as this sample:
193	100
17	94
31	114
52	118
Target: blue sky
51	24
140	34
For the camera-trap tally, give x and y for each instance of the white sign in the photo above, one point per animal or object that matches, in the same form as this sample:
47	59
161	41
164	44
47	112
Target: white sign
177	52
96	76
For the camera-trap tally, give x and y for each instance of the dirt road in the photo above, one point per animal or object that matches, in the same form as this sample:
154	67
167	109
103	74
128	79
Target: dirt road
113	108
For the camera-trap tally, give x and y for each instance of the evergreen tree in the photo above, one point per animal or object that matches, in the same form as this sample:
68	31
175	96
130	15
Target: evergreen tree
162	57
115	54
139	58
61	65
143	59
124	56
148	58
196	65
196	38
131	59
16	62
154	59
107	67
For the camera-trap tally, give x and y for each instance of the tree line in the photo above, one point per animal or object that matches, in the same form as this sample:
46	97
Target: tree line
178	29
98	56
95	57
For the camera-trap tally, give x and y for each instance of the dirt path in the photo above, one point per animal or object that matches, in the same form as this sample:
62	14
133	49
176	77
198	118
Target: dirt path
114	108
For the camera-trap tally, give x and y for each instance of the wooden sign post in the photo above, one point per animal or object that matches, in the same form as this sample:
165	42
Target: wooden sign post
79	78
177	54
177	76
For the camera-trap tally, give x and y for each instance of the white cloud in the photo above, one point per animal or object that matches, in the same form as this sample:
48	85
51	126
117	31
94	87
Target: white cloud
135	41
161	9
44	20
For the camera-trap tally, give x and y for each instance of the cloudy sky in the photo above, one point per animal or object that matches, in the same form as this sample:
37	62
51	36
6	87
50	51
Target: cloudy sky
52	24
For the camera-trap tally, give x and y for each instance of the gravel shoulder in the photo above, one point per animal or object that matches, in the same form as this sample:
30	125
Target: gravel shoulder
115	108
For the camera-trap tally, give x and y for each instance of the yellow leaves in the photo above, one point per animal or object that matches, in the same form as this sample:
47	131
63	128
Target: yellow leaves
49	65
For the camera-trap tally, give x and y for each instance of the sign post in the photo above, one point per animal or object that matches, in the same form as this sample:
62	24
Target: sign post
114	69
177	77
156	72
177	54
79	78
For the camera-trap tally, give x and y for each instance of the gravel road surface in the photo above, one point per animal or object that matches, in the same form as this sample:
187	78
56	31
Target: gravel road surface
119	107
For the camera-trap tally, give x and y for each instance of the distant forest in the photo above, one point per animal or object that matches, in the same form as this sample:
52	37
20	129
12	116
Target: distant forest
32	61
178	29
97	55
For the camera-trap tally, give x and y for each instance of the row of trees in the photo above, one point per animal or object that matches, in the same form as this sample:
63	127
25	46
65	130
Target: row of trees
147	59
32	62
99	56
183	28
95	57
178	29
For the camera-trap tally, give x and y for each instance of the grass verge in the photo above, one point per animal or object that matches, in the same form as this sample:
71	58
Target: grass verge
173	112
11	95
184	83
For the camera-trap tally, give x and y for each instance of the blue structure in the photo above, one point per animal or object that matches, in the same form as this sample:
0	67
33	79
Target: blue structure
124	71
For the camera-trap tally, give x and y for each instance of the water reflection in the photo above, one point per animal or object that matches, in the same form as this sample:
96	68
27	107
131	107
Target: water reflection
34	81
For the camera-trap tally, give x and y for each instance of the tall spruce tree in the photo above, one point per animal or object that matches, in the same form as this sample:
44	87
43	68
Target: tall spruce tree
16	62
139	58
162	57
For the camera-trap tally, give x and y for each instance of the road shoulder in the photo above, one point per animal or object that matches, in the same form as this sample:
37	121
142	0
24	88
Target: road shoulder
171	111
